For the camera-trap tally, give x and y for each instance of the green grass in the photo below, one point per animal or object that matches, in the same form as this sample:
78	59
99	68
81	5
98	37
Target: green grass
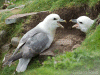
43	5
1	2
11	6
9	28
19	2
4	15
38	5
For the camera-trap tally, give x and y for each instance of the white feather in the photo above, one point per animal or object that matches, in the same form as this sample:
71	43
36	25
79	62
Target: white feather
87	23
22	65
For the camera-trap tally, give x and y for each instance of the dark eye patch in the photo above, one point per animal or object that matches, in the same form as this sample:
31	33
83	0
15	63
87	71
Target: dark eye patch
54	19
81	22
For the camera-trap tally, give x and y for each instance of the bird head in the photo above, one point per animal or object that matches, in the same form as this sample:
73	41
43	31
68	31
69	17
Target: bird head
83	22
53	21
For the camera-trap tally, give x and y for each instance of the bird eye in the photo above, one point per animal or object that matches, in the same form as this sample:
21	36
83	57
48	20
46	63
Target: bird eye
54	19
80	22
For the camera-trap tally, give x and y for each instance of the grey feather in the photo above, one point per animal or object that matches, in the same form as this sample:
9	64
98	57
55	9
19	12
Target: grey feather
35	45
28	35
13	58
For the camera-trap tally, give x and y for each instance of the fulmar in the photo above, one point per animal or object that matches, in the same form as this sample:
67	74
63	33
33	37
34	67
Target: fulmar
36	41
83	23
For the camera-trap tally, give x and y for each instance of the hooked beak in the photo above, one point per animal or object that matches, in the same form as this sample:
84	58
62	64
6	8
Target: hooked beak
74	21
58	23
75	26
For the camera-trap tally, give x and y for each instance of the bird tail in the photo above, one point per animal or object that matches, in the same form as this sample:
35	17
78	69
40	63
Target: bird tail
13	58
22	65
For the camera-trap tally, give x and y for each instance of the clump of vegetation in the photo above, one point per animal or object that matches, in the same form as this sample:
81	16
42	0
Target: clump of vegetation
11	6
4	15
1	2
44	5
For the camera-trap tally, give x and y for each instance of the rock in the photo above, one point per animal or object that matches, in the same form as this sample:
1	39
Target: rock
75	46
17	17
63	42
48	53
5	47
15	41
4	10
2	34
10	21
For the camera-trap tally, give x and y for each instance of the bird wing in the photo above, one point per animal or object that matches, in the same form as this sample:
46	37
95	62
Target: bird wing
35	45
23	40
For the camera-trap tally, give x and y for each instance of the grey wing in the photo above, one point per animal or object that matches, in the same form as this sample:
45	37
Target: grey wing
23	40
35	45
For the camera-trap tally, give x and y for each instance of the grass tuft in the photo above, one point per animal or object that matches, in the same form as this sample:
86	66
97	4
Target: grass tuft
11	6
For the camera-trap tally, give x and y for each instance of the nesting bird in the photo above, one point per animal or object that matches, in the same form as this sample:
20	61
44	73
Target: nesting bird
83	23
35	41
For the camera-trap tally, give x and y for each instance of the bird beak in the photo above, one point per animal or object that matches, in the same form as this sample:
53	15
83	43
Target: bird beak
75	26
74	21
58	23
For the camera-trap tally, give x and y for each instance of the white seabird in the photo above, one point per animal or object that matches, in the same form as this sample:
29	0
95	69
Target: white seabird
36	41
83	23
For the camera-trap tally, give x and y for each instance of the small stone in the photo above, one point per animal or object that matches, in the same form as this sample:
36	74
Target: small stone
63	42
17	17
5	47
48	53
75	46
2	34
15	41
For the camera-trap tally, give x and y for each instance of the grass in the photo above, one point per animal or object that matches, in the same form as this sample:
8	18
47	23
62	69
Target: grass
1	2
4	15
11	6
43	5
